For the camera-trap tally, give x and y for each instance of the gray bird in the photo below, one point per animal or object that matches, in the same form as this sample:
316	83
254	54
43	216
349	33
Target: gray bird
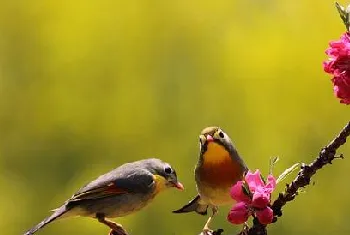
117	193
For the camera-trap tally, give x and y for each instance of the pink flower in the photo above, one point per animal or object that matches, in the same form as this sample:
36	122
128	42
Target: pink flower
265	216
338	65
255	185
253	196
256	182
239	213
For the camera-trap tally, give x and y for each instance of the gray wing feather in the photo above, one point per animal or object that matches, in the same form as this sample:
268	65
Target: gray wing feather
127	177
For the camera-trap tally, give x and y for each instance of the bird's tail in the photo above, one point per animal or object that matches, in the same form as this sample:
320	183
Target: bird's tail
57	213
194	205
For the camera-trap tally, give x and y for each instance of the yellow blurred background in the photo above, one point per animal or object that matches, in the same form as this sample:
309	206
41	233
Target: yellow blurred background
88	85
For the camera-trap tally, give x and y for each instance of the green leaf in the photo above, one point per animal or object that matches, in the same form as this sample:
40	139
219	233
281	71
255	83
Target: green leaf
263	178
344	14
340	8
273	161
341	11
287	172
245	189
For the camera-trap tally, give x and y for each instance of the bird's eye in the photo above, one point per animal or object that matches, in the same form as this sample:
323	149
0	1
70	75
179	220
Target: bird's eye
221	134
168	170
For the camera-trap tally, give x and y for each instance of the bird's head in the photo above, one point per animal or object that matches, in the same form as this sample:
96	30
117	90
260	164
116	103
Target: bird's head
164	175
214	135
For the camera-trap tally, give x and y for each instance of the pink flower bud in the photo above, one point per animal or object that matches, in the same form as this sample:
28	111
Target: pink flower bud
260	199
265	216
237	192
239	213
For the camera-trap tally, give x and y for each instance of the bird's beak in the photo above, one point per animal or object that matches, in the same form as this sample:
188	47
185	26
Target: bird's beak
210	139
178	185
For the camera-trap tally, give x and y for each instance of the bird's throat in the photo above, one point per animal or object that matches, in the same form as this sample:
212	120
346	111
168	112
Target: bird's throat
215	154
160	183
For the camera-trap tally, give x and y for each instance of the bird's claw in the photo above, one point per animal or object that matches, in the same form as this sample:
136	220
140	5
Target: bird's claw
207	231
218	232
245	229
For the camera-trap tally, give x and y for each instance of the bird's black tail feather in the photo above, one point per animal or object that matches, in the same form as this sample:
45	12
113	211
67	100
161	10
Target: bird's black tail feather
194	205
57	213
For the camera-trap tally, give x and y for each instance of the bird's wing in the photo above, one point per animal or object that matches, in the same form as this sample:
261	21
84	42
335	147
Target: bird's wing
118	181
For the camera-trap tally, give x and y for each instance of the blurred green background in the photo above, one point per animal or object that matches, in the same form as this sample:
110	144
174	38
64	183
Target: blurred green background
88	85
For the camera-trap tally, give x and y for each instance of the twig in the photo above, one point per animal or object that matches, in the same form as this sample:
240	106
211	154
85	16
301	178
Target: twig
326	156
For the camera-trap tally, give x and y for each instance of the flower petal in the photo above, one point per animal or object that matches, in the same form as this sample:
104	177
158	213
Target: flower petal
271	184
254	180
342	87
237	192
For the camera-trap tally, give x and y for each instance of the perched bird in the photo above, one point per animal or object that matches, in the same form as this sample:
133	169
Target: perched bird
120	192
218	168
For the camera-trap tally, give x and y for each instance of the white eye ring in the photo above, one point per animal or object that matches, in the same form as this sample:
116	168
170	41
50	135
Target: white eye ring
168	170
221	134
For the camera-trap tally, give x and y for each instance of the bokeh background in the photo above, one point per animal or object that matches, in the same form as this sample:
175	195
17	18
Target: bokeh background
88	85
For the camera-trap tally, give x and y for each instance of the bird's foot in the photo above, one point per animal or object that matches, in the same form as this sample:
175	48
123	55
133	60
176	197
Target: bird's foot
245	229
116	229
119	231
207	231
218	232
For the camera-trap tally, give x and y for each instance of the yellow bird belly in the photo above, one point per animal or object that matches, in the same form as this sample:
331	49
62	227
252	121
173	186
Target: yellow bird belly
216	175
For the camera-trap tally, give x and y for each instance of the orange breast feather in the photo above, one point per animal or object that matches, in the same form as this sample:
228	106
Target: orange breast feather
218	168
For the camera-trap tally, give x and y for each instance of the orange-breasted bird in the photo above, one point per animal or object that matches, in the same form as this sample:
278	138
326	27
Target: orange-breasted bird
218	168
120	192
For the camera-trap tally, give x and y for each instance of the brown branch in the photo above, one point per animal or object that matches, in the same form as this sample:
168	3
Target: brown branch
326	156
